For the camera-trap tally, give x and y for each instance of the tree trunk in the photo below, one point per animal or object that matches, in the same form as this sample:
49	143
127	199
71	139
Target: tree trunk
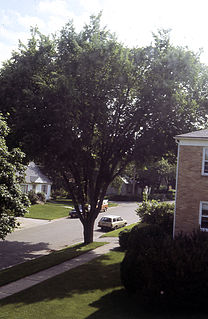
88	232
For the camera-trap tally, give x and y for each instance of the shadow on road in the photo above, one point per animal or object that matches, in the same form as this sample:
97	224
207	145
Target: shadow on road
26	251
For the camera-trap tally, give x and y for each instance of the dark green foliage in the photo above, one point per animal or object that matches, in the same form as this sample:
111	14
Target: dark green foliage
13	202
76	95
166	272
33	197
59	193
154	212
36	198
126	198
41	197
91	105
123	238
163	195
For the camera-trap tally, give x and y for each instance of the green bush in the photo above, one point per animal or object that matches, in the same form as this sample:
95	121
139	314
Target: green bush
33	197
154	212
167	272
59	193
163	195
41	197
123	238
125	198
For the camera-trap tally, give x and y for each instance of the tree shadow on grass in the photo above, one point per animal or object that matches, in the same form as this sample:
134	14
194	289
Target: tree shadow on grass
99	274
15	252
120	305
96	284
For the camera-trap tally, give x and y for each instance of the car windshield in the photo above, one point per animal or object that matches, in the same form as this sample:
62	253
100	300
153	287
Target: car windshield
106	219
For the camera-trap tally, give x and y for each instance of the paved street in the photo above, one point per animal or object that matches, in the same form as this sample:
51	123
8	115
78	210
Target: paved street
36	238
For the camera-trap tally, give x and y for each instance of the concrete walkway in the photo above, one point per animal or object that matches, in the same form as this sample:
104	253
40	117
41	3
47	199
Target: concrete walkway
29	281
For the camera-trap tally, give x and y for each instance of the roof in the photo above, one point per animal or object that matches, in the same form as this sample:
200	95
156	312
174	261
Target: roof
111	216
34	175
202	134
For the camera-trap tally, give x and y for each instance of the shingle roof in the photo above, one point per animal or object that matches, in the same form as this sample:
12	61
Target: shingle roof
202	134
34	175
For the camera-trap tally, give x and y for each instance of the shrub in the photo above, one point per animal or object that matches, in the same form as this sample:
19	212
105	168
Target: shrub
41	197
142	235
154	212
163	195
33	197
167	272
123	238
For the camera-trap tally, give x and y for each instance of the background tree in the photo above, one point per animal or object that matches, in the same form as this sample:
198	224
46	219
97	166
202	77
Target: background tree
172	95
13	202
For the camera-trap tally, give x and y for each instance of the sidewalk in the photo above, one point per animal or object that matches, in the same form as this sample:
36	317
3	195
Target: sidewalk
29	281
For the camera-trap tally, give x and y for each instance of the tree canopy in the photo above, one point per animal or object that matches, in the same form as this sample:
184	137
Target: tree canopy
13	202
83	103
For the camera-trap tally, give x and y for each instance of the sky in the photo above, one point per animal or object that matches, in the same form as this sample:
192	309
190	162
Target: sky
133	21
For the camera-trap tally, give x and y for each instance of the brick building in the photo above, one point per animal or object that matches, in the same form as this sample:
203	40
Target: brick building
191	209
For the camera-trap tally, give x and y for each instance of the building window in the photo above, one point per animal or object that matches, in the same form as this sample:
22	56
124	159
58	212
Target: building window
203	216
44	189
24	188
205	162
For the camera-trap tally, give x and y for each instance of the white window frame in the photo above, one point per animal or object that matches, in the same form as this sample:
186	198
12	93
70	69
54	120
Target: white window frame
203	162
44	188
24	188
200	216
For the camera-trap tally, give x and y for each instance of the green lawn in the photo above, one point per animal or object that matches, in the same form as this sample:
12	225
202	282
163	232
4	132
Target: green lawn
115	233
91	291
50	210
32	266
53	209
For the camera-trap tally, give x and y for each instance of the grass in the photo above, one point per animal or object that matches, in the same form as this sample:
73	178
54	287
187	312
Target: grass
91	291
32	266
115	233
49	211
53	209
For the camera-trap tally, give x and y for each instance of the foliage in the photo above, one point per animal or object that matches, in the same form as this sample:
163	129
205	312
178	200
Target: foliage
123	238
117	184
154	212
167	272
91	105
155	174
13	202
59	193
171	93
36	198
33	197
77	97
163	195
41	197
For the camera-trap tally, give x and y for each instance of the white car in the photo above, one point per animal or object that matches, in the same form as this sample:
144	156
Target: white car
111	222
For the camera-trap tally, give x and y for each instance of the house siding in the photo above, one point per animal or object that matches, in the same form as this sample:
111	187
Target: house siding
192	188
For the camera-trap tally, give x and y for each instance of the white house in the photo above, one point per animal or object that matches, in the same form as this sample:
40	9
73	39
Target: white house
36	181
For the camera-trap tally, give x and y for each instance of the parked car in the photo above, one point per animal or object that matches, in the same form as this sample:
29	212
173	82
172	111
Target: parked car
110	222
73	212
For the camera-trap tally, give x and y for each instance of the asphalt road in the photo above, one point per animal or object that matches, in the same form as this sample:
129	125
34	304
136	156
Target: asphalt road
36	238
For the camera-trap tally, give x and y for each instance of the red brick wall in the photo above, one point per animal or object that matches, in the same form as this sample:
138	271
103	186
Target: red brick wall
192	188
